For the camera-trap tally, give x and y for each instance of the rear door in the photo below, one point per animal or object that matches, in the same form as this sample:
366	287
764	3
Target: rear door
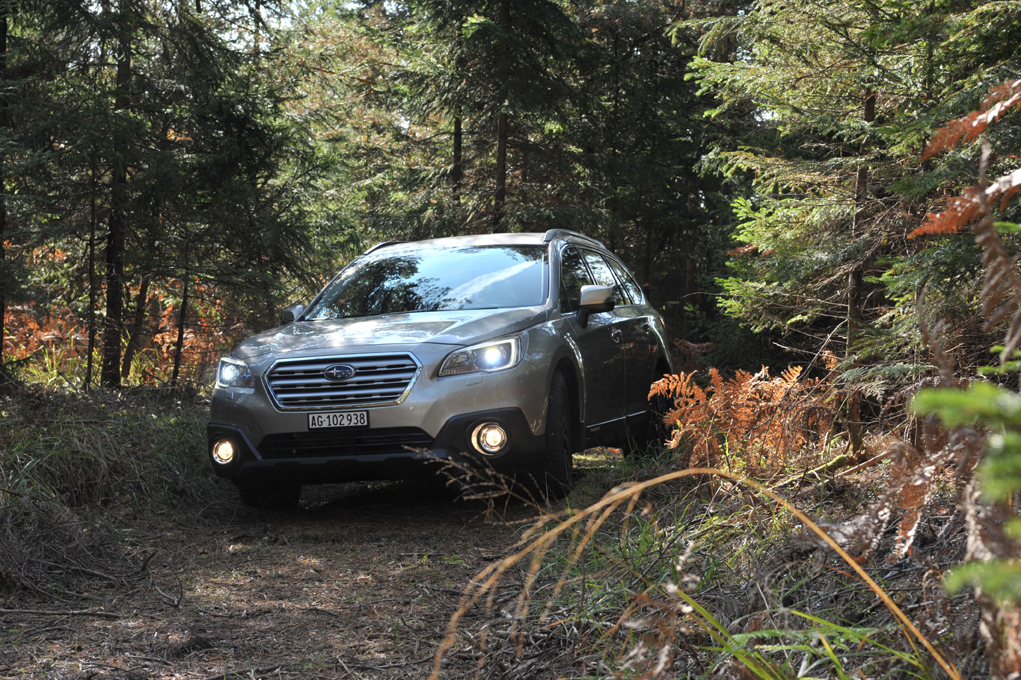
628	333
599	343
643	344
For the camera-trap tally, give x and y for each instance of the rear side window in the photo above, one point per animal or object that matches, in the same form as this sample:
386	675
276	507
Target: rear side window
573	275
628	280
604	277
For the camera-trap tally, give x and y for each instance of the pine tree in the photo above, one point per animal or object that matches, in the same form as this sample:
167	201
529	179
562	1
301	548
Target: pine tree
853	89
147	123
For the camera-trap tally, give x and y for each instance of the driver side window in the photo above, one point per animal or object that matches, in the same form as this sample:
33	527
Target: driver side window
573	275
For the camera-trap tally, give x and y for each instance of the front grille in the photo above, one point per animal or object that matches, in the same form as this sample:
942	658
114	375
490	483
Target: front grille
379	379
344	443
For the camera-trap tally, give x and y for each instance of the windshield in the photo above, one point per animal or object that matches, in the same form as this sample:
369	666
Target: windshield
436	278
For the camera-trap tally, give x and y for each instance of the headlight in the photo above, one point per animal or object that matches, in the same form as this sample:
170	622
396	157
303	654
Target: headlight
487	357
234	373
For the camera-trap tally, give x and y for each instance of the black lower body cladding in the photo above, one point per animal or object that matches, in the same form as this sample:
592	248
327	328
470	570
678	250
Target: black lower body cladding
332	456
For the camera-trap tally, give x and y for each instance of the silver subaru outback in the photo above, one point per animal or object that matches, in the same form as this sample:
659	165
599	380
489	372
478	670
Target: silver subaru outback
509	352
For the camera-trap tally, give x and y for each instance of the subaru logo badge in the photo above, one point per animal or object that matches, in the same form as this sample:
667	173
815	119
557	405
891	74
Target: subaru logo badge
338	372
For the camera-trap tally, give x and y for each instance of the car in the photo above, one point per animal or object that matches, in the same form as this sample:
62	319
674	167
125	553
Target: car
503	352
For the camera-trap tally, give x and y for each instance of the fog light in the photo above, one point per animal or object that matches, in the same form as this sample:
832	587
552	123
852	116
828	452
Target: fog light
490	438
223	452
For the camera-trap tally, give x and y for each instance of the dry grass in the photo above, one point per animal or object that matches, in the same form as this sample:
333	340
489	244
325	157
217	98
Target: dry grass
65	460
702	578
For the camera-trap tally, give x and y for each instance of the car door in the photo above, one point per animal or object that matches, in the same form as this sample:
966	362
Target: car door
599	344
643	350
628	334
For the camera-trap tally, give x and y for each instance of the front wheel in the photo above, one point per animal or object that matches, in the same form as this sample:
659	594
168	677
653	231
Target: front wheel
270	496
554	477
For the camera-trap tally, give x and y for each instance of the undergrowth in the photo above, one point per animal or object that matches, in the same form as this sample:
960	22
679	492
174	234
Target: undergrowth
689	574
67	460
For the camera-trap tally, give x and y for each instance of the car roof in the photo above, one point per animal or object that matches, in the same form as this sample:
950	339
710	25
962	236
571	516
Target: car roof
516	239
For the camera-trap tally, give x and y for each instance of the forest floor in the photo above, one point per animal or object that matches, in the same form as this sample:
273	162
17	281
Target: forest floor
360	582
122	557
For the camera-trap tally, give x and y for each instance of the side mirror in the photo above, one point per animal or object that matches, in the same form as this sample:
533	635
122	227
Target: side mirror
595	299
289	314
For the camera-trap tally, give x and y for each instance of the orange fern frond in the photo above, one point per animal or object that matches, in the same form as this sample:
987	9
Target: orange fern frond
1009	194
960	211
761	419
830	360
743	250
791	375
968	128
963	209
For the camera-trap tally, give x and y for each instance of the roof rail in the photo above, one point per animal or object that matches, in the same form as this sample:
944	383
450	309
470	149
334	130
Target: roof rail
555	233
380	245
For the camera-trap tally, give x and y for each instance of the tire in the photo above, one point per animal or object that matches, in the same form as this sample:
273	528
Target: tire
269	496
648	439
554	477
657	433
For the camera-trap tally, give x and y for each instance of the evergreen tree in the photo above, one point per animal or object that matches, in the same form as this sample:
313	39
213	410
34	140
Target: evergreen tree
145	122
853	89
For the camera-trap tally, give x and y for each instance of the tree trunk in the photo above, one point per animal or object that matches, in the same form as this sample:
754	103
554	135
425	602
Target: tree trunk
687	294
458	170
502	124
854	285
112	326
93	220
135	333
179	345
3	195
647	264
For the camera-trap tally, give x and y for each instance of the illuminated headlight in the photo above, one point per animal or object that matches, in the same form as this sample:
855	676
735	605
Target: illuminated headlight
223	452
487	357
234	373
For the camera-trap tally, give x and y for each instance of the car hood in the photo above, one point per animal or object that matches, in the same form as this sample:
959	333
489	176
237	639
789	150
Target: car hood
463	327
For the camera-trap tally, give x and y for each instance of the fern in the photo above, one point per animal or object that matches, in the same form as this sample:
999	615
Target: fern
961	210
968	128
763	420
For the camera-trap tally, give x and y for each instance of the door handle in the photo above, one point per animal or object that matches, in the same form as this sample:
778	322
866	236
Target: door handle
616	334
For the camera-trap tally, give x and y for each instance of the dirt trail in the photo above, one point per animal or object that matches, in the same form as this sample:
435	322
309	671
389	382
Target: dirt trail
359	583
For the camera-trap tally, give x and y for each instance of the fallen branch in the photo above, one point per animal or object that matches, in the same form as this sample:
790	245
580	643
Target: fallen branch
172	601
401	664
838	463
79	612
350	673
243	673
869	463
83	570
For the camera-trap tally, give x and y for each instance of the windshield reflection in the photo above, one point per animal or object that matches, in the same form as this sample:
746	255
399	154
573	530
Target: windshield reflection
436	278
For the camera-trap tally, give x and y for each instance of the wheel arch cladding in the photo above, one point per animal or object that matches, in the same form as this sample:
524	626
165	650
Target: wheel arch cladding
574	398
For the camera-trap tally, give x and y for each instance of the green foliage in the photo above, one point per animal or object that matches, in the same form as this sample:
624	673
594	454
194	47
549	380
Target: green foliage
155	144
980	404
997	411
606	133
851	91
1000	578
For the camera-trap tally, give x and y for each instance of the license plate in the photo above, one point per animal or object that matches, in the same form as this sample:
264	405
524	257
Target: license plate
318	421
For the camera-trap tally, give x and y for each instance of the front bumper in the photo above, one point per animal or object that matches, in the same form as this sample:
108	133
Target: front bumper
332	456
432	422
